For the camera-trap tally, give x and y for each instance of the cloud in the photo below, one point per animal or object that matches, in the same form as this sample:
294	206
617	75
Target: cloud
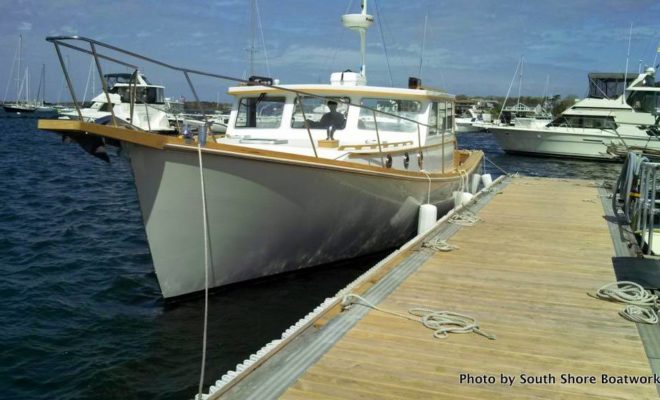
64	30
25	26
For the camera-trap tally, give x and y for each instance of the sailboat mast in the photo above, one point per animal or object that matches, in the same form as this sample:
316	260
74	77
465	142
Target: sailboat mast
253	34
625	75
522	67
43	79
18	69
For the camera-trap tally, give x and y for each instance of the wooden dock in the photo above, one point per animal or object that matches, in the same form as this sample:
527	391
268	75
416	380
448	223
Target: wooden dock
524	272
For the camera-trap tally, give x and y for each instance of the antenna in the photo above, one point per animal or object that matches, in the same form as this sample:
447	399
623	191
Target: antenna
625	76
360	23
421	54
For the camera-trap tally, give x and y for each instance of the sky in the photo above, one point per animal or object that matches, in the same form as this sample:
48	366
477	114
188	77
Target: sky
471	47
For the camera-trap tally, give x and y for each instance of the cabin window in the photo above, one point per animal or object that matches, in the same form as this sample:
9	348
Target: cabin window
572	121
440	117
150	95
642	101
315	108
262	112
390	114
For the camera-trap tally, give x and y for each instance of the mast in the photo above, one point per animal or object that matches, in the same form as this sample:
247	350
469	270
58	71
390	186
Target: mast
18	69
43	79
625	76
360	23
253	34
522	67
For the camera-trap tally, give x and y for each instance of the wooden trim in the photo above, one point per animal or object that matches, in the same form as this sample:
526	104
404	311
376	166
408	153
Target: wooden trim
375	145
147	139
413	148
162	142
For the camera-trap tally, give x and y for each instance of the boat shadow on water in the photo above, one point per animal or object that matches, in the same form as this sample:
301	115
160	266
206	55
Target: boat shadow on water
242	318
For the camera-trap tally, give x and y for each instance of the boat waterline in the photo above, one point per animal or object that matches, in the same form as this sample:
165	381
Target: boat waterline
596	145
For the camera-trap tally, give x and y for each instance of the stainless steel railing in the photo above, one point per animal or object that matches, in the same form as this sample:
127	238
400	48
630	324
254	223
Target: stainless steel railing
97	50
636	198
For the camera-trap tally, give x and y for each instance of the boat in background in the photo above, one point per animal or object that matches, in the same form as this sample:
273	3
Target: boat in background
305	175
21	105
469	114
614	119
132	100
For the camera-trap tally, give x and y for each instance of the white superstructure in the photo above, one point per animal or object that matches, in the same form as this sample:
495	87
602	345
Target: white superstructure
615	116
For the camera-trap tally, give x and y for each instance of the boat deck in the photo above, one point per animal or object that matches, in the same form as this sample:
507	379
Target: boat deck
523	271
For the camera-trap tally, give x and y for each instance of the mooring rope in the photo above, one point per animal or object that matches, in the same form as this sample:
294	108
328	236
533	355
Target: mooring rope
640	302
441	322
206	266
428	200
465	218
438	244
497	166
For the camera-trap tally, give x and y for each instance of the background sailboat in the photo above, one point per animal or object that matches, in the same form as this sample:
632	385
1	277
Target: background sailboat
21	104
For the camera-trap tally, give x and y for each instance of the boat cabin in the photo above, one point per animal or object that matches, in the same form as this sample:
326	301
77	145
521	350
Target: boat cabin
342	121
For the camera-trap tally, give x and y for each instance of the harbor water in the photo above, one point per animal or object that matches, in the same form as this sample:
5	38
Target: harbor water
82	315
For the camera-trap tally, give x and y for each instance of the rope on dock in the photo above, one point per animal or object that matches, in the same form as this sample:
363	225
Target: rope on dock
442	322
438	244
465	218
640	302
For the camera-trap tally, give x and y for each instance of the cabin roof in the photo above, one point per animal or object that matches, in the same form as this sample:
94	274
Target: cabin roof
339	90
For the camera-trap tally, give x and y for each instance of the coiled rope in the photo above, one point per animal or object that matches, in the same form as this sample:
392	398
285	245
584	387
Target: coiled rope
438	244
465	218
441	322
640	302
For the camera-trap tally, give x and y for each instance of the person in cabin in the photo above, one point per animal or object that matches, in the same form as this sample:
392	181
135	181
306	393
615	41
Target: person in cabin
332	118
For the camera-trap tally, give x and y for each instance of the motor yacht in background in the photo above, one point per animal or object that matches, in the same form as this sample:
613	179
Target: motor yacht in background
305	175
135	101
469	115
612	120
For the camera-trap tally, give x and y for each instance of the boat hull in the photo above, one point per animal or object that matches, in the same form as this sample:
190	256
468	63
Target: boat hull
583	143
18	109
267	217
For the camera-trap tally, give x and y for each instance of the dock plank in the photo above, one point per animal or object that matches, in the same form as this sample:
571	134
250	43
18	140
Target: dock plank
524	271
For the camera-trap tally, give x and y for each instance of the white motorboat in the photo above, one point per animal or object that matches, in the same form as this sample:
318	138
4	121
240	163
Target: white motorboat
288	186
135	102
613	119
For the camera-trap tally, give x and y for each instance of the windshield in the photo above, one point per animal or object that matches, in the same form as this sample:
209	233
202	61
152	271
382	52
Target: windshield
409	109
643	101
319	112
261	112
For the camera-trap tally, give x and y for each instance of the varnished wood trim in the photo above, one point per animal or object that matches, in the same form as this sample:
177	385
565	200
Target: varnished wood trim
375	145
158	141
143	138
400	150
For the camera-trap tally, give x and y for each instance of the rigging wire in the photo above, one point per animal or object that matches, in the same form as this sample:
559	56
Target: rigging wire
382	38
11	74
499	117
263	41
331	64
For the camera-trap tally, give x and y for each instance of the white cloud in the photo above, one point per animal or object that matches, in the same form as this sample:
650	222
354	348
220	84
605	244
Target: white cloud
25	26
